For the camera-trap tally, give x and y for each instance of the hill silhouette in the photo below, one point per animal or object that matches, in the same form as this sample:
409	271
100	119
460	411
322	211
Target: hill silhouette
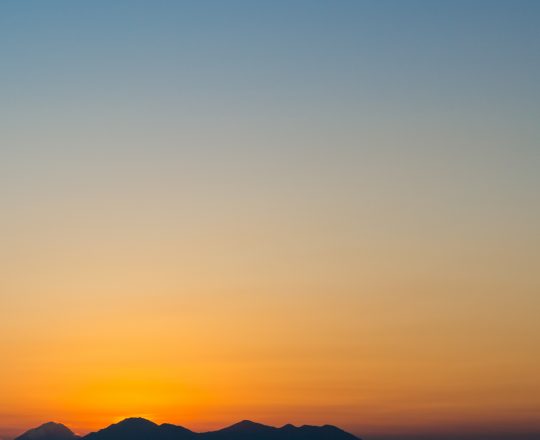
137	428
49	431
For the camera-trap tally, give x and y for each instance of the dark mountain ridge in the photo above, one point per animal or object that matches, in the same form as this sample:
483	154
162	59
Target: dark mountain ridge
49	431
141	429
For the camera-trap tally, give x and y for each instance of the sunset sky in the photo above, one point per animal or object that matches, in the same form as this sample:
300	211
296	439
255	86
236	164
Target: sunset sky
286	211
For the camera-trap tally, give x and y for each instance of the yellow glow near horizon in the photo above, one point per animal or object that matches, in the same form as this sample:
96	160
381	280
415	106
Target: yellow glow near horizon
364	361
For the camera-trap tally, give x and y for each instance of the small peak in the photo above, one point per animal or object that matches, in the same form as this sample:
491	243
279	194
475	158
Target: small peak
169	427
132	427
329	430
247	423
136	421
248	426
131	424
49	430
53	425
288	426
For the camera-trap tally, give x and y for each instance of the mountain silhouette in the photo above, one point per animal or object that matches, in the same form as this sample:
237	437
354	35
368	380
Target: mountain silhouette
134	428
49	431
247	426
244	429
248	430
137	428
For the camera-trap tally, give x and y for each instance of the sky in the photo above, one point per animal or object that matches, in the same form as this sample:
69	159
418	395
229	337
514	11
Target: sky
294	211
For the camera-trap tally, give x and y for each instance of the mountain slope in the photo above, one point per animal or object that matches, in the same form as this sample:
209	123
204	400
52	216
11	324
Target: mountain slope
142	429
245	427
135	428
49	431
248	430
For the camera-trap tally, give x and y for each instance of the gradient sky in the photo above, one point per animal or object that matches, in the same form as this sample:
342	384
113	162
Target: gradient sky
287	211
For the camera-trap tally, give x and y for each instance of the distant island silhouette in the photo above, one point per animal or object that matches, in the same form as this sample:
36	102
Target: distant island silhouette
137	428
